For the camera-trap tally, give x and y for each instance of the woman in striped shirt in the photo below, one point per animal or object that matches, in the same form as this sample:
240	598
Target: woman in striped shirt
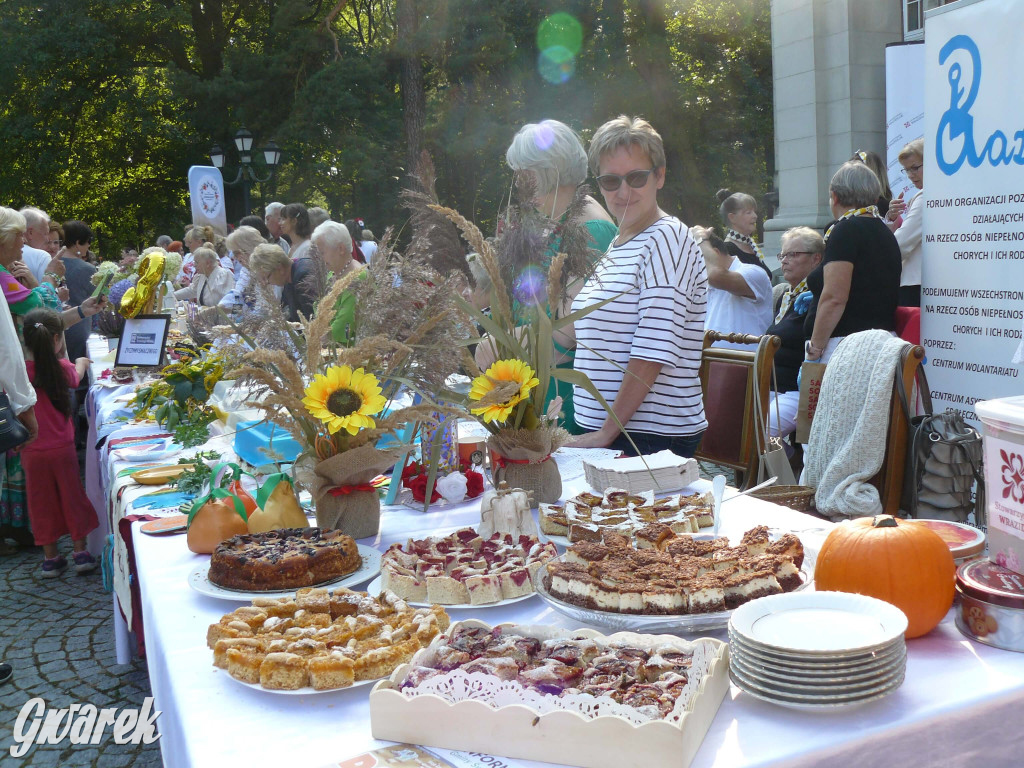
642	349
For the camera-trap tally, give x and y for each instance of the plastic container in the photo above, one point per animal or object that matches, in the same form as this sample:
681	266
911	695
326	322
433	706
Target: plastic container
1003	433
991	604
261	443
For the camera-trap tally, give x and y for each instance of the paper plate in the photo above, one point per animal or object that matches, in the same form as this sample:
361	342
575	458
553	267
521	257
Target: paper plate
166	525
199	579
161	475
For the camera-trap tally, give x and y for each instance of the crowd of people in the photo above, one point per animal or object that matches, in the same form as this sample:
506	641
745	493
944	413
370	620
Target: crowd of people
657	285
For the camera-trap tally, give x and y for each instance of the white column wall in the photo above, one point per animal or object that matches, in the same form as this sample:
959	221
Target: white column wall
828	58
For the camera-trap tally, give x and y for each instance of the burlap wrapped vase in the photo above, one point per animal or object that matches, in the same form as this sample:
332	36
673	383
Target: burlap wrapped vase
344	498
523	460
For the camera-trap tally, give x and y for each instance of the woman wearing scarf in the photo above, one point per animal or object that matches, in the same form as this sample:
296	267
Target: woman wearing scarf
802	249
856	286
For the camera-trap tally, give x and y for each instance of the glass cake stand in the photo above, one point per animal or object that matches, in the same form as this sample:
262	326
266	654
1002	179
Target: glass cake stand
685	624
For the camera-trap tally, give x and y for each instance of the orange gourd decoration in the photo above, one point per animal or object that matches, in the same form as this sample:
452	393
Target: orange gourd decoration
217	516
244	496
898	561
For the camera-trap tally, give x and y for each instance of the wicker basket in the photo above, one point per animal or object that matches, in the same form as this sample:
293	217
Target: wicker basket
798	497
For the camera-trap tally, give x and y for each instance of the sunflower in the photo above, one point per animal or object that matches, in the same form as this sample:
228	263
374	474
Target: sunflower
498	380
344	399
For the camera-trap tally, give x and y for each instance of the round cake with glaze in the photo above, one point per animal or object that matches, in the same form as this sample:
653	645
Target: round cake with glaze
289	558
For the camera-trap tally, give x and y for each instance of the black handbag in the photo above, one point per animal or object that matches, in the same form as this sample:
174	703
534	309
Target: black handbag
944	461
12	432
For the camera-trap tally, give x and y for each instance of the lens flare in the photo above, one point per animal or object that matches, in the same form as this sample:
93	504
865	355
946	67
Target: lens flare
543	137
556	65
560	30
531	287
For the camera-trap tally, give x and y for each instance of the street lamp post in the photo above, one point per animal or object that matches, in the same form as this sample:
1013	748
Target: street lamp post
246	170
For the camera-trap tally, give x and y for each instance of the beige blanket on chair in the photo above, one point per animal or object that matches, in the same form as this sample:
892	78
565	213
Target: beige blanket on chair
847	442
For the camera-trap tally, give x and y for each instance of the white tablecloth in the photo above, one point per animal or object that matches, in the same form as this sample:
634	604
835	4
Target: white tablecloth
957	707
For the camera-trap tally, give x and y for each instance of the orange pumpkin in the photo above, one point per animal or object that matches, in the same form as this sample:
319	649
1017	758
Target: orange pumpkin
220	517
899	561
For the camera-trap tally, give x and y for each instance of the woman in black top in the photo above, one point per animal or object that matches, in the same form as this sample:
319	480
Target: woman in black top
856	287
739	214
802	249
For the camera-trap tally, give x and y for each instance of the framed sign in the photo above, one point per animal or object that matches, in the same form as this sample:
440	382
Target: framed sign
143	340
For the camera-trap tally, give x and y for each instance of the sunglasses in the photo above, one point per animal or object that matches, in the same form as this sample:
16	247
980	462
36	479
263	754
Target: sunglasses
636	179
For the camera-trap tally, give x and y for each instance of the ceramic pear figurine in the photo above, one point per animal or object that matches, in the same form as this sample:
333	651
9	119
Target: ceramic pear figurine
506	510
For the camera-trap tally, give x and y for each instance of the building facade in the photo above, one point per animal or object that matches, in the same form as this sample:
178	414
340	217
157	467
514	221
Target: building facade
828	58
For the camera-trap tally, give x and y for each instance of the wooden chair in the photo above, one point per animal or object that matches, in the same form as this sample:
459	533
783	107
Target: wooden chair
889	480
728	382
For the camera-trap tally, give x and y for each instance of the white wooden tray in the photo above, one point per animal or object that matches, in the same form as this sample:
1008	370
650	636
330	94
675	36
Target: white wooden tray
554	737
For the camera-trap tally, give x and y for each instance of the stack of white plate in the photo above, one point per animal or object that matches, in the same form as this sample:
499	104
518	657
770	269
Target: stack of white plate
662	471
817	650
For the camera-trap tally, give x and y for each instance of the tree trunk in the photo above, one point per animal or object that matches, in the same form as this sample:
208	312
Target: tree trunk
413	96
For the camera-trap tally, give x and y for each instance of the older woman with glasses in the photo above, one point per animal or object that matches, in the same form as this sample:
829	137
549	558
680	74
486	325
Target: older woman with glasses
802	250
857	284
908	231
641	349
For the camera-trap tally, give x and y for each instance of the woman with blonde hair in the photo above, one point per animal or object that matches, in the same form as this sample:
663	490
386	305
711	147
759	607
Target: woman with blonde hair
908	231
642	348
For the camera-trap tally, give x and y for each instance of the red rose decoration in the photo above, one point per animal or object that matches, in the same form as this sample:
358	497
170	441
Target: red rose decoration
474	484
412	469
418	486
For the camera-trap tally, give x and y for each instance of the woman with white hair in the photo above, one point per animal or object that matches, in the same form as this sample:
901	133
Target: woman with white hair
551	154
333	243
802	249
642	347
856	286
211	280
242	242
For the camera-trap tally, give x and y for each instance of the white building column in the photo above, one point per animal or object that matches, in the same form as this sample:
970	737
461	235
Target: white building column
828	60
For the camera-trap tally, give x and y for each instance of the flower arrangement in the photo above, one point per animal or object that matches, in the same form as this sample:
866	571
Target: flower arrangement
178	400
338	400
510	397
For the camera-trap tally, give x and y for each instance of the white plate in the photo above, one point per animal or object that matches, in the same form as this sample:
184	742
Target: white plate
199	580
307	691
819	623
802	661
821	686
374	587
653	623
814	706
821	670
783	698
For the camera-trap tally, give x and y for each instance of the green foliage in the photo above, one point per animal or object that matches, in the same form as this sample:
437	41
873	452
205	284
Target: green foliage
106	103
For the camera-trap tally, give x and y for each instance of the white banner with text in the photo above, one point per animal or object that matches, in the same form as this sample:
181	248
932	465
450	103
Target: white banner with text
972	298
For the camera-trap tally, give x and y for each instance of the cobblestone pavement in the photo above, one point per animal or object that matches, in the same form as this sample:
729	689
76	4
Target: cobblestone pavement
58	635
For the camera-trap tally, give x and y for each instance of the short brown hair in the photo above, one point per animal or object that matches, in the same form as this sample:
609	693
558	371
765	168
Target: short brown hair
626	131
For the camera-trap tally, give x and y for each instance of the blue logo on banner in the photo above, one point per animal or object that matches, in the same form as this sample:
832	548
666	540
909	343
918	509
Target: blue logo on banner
958	123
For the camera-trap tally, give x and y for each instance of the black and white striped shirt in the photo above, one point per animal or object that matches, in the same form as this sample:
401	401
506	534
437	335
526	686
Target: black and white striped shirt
659	316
